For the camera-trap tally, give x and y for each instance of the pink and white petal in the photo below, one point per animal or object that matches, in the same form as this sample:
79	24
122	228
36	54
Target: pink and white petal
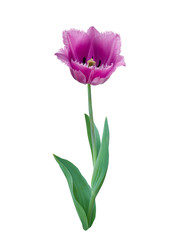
120	61
78	44
98	80
87	71
62	55
78	75
115	50
103	72
106	47
102	75
93	32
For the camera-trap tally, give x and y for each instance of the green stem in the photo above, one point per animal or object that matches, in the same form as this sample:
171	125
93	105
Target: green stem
94	151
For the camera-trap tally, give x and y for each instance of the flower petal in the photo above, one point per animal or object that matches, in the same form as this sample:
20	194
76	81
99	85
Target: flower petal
87	71
77	43
103	72
98	80
120	61
78	75
106	47
93	32
62	55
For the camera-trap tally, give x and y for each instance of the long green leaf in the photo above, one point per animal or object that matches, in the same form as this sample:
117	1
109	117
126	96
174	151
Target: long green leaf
101	165
97	137
80	190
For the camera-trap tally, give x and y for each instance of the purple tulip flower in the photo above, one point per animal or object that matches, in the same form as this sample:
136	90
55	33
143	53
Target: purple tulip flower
93	56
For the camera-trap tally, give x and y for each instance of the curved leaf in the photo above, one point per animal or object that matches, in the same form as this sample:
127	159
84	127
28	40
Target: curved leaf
80	190
102	161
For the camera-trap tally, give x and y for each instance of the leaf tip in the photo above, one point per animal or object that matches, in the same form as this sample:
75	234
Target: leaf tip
86	116
106	122
56	157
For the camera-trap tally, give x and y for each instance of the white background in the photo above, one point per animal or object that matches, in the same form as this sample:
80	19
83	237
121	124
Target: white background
42	112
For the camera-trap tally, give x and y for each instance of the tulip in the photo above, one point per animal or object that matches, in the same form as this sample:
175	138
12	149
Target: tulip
81	47
92	57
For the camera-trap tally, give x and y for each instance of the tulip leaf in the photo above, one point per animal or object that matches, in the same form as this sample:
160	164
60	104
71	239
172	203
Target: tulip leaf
97	137
80	190
101	164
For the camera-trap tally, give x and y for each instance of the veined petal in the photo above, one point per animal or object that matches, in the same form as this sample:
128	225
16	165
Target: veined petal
62	55
78	75
100	75
98	80
106	47
103	71
93	32
77	43
120	61
83	68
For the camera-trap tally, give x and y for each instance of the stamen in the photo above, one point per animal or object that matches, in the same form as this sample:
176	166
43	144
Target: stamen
91	62
84	60
99	63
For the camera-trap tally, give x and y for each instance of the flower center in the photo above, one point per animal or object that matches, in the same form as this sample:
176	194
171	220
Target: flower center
91	62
